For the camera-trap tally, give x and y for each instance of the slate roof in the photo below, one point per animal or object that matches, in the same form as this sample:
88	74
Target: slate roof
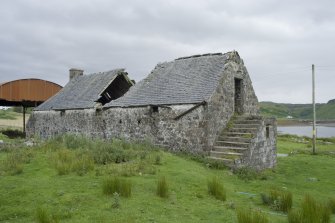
183	81
81	92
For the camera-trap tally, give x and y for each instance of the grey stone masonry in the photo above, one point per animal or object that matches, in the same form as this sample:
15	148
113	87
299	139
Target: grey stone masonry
165	117
247	141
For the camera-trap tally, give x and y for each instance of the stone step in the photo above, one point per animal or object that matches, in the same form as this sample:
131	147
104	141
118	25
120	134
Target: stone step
224	160
257	122
232	143
234	139
244	130
228	148
223	154
238	134
248	118
238	125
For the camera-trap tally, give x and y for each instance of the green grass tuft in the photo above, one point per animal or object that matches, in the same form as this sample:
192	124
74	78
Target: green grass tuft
331	204
251	216
162	188
278	200
116	185
42	216
313	211
216	189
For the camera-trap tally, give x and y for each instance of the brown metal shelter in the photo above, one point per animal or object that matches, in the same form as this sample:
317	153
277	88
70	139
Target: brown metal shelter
27	93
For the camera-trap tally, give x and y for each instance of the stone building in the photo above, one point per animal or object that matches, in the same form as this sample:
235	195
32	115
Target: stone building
199	104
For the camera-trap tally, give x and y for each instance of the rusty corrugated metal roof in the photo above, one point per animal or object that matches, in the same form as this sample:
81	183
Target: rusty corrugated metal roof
29	92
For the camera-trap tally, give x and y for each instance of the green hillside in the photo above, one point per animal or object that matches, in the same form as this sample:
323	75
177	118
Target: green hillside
324	111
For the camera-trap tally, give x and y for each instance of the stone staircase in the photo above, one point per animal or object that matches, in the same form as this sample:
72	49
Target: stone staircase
234	141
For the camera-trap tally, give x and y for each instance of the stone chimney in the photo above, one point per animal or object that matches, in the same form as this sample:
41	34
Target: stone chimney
75	73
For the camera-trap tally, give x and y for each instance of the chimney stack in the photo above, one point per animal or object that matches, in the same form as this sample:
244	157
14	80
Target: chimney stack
75	73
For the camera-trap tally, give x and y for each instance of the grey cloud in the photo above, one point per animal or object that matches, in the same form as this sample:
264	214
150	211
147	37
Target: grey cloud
278	40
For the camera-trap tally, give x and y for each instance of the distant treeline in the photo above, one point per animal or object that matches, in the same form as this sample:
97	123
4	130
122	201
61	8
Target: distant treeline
324	111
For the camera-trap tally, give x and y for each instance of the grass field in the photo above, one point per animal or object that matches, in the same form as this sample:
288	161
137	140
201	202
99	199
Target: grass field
63	180
11	119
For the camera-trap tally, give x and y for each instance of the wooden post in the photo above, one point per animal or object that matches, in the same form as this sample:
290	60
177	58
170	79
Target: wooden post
314	116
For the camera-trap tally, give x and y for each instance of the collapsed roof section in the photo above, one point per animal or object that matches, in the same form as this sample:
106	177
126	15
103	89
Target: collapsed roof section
88	91
186	80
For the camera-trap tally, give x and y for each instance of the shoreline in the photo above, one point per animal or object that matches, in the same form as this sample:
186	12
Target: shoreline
326	123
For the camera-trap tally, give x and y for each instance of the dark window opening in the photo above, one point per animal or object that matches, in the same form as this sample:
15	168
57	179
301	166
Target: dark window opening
139	121
62	113
120	121
267	131
119	86
154	109
98	112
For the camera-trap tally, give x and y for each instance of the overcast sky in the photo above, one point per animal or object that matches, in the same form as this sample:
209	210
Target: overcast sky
278	40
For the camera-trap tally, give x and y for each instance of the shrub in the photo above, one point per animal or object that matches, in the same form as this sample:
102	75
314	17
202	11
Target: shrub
162	188
251	216
120	186
278	200
104	153
216	189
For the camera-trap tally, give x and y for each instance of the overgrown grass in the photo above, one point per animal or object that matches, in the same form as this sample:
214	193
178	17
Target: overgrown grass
15	159
66	161
74	198
251	216
216	189
111	185
162	188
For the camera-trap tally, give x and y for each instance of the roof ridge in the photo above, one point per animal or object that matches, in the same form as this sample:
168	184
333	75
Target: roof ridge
108	71
200	55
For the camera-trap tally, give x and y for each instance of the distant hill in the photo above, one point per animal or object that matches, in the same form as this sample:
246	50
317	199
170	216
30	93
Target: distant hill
324	111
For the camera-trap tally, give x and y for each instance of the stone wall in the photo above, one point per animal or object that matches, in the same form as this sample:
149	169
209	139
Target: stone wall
262	152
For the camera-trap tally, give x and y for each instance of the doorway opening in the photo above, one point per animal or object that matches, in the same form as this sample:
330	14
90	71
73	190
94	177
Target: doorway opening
238	96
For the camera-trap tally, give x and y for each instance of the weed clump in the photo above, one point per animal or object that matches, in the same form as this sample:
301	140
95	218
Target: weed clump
251	216
116	185
116	200
278	200
162	188
246	173
216	189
